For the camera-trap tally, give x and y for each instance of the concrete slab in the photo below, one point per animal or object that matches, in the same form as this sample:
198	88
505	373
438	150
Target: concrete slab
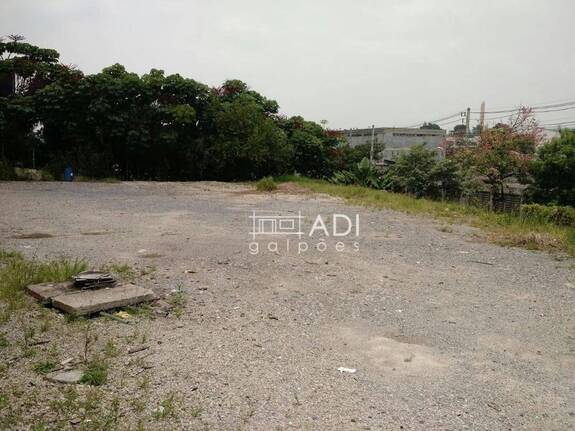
44	292
92	301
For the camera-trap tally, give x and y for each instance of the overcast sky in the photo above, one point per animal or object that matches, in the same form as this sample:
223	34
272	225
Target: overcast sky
352	63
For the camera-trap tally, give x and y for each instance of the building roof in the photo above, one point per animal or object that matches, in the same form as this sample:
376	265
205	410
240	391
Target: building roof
406	130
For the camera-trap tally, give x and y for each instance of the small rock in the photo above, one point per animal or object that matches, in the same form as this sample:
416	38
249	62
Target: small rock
69	377
494	406
162	308
66	361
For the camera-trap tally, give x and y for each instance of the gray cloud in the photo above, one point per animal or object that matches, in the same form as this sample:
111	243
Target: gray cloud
354	63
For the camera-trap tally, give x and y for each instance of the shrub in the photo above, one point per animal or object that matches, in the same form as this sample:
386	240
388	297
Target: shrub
362	174
6	171
553	171
413	172
559	215
266	184
344	178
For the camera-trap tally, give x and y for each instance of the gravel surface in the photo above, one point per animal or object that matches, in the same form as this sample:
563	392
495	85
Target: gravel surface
445	331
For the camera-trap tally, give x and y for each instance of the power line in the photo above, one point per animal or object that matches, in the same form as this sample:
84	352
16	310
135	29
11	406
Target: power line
559	124
535	108
458	114
537	112
450	122
561	105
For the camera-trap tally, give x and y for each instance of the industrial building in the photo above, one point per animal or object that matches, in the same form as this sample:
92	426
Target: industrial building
396	140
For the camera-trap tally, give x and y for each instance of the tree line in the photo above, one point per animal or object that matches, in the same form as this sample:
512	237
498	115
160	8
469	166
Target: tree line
150	127
507	155
167	127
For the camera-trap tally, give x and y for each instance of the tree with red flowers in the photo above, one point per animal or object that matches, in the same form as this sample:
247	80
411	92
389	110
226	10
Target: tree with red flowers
505	151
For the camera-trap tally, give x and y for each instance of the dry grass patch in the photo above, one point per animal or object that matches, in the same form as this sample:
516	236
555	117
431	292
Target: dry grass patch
505	229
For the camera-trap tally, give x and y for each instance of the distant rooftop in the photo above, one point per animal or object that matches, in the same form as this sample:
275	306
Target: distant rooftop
395	130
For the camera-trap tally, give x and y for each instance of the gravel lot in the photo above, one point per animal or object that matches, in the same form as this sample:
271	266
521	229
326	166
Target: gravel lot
446	332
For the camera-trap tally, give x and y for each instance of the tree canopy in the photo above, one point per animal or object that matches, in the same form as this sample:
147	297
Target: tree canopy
554	171
154	126
430	126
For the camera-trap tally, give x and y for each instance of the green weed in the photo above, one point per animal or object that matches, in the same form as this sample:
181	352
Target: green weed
167	407
178	300
44	367
501	228
266	184
95	373
16	272
122	271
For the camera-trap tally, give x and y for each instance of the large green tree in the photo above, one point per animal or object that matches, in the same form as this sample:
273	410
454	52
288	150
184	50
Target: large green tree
413	172
24	69
314	150
149	127
553	171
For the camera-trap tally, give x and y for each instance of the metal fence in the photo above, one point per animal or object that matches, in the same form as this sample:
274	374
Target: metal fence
508	203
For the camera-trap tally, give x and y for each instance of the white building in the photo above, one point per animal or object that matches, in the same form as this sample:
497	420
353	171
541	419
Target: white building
396	140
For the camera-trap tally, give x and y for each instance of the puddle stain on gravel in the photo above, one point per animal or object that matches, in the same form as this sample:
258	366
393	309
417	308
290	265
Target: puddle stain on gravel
388	354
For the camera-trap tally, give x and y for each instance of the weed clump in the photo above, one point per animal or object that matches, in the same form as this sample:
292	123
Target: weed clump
266	184
16	272
44	367
95	373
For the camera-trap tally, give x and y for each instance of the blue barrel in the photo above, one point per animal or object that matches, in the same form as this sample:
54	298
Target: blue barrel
68	174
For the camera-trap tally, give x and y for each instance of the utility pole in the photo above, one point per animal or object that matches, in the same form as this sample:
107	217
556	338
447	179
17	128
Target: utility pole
467	121
372	144
482	116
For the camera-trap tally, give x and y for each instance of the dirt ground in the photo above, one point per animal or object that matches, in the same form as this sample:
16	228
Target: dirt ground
445	331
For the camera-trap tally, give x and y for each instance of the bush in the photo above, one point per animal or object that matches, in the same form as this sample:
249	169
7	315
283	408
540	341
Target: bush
344	178
6	171
361	174
25	174
553	171
559	215
413	172
266	184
